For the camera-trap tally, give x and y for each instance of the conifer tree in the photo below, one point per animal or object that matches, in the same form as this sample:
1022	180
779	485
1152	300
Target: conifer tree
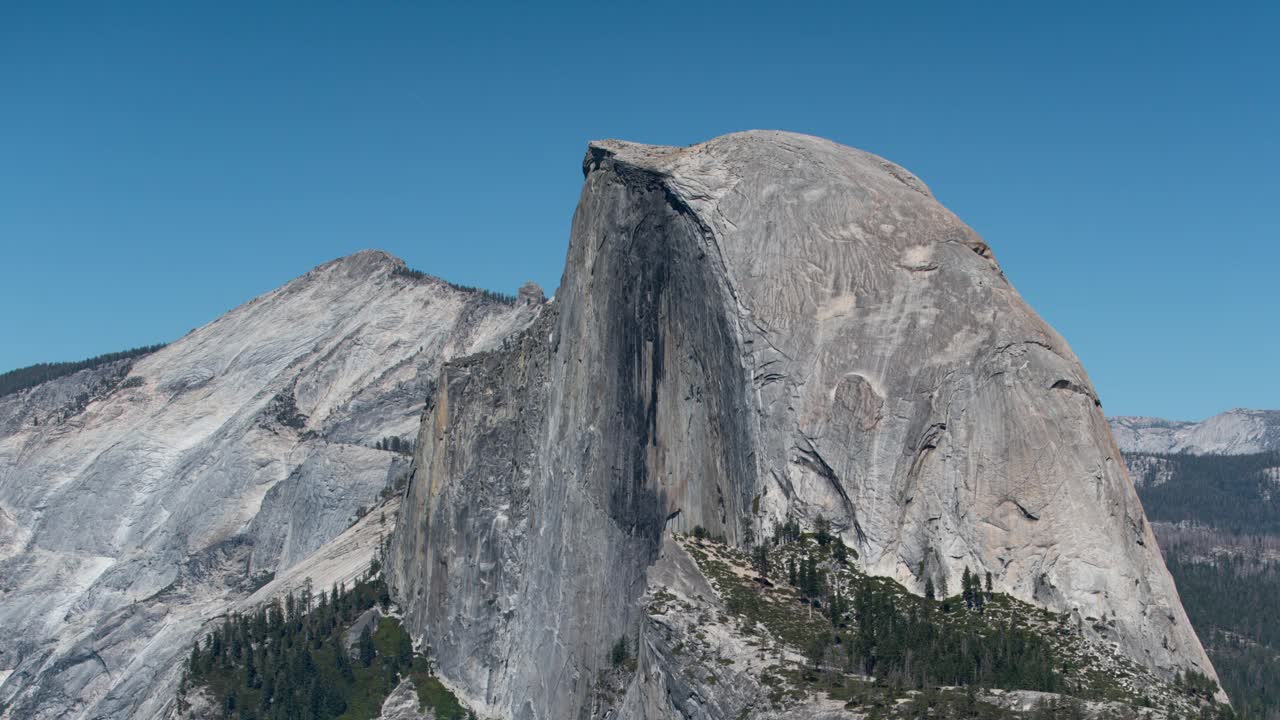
840	553
822	530
618	654
366	648
404	651
250	668
810	578
760	559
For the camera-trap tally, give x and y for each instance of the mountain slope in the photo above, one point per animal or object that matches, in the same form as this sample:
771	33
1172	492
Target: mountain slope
1217	518
139	498
761	327
1235	494
1235	432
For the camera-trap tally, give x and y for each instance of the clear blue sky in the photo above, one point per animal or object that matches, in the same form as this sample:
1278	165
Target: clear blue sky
161	164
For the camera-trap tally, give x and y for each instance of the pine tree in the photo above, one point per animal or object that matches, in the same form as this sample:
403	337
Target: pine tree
816	651
366	648
315	699
822	530
760	559
618	654
837	607
840	553
404	651
343	663
250	668
268	690
975	592
811	581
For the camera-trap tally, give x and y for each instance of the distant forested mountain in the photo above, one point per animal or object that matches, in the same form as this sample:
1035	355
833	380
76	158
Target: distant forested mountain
1239	494
1218	521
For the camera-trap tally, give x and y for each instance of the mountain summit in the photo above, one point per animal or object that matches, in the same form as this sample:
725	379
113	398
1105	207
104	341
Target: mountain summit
143	499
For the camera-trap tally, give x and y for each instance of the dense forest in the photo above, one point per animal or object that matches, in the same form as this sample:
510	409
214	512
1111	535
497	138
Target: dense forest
1234	493
886	632
889	638
1225	562
1234	603
32	375
335	655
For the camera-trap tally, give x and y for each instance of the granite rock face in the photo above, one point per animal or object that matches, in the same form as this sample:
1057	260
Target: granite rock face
402	704
138	499
761	326
1235	432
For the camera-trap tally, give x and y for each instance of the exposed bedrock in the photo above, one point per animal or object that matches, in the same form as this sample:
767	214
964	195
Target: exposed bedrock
140	499
763	325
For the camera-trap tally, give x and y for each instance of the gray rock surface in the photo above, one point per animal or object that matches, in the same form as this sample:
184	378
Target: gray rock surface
761	326
1235	432
133	509
402	704
691	664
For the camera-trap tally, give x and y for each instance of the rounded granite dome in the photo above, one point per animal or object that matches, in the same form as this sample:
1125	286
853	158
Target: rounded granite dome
761	327
897	382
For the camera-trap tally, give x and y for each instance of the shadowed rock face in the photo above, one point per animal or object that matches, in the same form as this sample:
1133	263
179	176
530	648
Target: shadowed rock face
763	325
129	519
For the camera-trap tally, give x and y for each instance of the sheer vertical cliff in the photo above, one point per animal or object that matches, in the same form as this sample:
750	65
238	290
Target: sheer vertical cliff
761	326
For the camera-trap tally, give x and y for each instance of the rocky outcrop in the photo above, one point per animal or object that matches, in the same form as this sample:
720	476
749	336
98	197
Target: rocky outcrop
402	704
62	398
1235	432
763	326
141	498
